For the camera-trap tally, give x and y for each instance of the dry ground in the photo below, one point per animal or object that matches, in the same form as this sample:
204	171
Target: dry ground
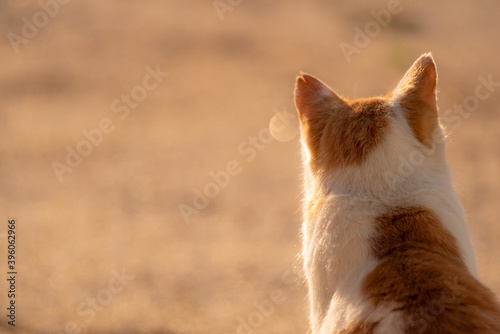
118	209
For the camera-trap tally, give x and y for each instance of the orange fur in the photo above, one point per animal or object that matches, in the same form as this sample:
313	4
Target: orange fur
338	132
421	270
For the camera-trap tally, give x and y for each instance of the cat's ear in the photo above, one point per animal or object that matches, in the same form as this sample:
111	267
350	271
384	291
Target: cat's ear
416	94
313	98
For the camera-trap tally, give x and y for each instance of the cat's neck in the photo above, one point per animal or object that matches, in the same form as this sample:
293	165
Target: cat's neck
434	193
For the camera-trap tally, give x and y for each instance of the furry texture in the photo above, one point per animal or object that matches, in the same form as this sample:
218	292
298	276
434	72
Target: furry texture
386	247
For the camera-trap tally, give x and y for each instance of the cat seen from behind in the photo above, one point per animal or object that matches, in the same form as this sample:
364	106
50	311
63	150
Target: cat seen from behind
386	248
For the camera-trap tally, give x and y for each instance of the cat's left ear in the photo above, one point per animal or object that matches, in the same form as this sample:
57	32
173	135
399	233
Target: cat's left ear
416	94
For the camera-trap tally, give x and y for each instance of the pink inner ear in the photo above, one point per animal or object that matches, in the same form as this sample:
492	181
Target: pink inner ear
312	95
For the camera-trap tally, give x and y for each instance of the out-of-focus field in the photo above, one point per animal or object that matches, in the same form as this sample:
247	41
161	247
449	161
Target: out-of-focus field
118	209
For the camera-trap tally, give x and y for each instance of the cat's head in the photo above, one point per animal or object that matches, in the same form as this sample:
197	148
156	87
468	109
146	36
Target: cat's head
374	144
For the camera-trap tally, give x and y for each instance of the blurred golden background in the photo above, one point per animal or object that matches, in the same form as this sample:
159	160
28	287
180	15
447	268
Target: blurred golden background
137	159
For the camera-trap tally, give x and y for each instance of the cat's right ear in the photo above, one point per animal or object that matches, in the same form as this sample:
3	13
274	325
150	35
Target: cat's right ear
313	98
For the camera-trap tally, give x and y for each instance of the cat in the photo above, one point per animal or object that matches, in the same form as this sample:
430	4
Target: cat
386	247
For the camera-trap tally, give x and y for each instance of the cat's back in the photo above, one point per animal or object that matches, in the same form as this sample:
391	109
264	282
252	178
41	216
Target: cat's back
421	282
